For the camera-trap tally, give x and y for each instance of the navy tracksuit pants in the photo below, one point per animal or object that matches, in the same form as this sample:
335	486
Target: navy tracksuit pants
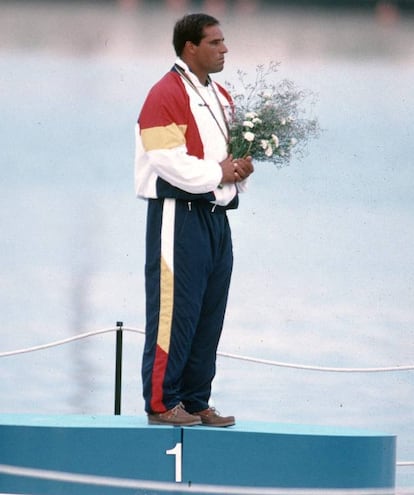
189	261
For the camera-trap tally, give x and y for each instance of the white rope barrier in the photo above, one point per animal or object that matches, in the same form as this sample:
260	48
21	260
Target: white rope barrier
222	354
58	342
330	369
184	488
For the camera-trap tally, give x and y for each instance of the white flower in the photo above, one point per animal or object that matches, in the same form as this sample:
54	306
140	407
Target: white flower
293	141
266	95
264	143
248	123
248	136
282	121
275	140
269	151
250	115
256	120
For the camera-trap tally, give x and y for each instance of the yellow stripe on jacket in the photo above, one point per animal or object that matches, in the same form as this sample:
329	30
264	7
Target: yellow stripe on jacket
163	137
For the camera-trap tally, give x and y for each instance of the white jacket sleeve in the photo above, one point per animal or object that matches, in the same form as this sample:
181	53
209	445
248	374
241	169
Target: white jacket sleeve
184	171
174	166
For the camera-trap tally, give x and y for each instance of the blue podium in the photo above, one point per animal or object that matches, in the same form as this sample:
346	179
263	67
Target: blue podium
250	454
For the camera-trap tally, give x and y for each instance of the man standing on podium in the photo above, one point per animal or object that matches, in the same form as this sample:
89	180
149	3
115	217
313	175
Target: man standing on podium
184	170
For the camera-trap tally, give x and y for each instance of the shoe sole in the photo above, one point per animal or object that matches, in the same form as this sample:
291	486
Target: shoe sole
158	422
220	425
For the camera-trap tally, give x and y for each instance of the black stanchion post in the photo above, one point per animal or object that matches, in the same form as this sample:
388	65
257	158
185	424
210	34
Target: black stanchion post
118	368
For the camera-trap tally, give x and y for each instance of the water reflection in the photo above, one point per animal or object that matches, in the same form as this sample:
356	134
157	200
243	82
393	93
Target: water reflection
84	254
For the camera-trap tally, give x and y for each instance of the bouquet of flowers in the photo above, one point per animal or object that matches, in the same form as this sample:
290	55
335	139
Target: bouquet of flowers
268	122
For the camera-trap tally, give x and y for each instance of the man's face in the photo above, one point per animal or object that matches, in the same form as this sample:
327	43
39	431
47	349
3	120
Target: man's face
209	54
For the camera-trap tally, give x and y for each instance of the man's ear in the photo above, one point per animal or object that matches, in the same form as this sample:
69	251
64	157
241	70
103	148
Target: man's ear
190	47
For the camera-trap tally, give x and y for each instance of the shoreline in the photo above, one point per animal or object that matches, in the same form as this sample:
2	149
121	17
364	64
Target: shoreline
110	31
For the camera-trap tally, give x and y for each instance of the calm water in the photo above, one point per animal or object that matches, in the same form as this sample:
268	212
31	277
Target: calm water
324	271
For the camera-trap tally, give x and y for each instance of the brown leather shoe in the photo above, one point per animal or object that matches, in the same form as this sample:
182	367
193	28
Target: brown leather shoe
210	417
177	416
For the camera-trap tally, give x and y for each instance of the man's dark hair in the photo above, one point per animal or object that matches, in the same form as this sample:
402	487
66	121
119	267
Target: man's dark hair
190	28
